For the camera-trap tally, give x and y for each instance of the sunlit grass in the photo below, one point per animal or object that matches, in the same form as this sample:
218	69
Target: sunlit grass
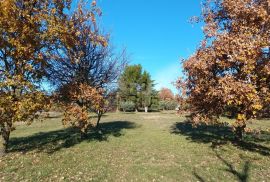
135	147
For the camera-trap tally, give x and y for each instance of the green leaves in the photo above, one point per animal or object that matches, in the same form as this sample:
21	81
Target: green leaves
136	85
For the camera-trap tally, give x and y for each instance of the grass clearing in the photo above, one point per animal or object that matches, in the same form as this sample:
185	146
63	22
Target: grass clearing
135	147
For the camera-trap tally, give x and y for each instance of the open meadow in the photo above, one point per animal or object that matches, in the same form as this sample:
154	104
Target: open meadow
95	90
136	147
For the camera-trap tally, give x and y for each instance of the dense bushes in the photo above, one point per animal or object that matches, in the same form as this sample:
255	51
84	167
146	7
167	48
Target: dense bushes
168	105
127	106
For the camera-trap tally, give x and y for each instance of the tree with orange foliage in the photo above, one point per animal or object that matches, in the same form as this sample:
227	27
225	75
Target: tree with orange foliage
231	69
167	99
166	94
83	98
181	96
85	73
28	31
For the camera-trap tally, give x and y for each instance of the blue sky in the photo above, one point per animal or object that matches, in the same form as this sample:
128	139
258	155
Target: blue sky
156	33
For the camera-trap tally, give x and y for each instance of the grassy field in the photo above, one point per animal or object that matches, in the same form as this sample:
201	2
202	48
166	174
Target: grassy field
136	147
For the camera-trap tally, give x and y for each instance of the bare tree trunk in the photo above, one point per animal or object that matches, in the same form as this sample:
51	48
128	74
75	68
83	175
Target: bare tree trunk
4	139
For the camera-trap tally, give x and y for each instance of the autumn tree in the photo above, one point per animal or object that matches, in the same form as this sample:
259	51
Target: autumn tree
85	74
231	68
182	96
28	31
166	94
82	99
167	99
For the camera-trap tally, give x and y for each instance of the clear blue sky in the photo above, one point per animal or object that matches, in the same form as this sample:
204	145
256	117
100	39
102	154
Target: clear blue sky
156	33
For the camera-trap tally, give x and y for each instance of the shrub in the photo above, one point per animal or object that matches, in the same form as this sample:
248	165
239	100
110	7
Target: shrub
168	105
154	107
162	105
127	106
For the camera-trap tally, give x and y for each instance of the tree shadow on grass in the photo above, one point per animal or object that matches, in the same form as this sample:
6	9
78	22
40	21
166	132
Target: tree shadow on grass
53	141
198	177
242	175
219	135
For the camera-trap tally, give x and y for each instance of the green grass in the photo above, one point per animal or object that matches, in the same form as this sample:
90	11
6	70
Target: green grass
136	147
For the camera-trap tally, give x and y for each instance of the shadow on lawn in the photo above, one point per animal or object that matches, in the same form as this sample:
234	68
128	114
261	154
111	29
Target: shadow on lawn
242	175
198	177
53	141
219	135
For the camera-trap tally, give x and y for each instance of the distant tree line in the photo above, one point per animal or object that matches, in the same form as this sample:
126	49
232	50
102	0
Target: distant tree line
136	92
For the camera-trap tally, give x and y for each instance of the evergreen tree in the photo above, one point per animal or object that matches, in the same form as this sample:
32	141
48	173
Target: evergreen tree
135	85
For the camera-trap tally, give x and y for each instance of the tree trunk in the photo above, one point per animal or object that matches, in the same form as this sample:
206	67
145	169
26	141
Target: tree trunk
240	126
118	100
239	131
83	135
99	118
146	109
4	139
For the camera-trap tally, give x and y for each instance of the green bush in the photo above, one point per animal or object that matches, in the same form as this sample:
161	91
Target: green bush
127	106
154	107
168	105
162	105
